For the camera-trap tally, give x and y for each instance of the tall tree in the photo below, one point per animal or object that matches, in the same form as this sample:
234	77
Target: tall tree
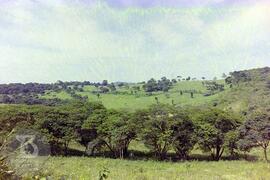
256	131
213	126
157	132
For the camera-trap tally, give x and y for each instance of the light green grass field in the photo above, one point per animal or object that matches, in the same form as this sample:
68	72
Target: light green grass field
89	168
83	168
60	95
142	100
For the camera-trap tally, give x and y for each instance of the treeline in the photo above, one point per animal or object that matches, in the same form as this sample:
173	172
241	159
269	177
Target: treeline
29	93
160	127
260	74
30	100
39	88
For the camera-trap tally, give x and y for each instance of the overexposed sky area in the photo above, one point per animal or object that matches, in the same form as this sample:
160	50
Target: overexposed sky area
129	40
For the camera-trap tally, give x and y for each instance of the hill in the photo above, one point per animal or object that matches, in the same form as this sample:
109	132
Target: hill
241	91
126	97
250	90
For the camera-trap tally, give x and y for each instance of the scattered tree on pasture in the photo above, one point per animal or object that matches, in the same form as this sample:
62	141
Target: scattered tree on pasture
104	83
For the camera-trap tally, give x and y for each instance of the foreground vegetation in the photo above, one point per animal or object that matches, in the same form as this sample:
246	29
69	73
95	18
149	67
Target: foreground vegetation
223	128
84	168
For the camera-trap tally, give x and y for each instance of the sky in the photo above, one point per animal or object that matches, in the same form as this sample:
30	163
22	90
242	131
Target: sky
130	40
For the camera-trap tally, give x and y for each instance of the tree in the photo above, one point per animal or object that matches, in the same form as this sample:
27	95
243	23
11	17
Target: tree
62	124
112	87
59	128
184	137
164	84
88	132
156	98
256	131
238	76
213	86
136	88
213	126
104	89
157	132
104	83
150	86
181	92
224	76
111	129
174	81
191	94
231	142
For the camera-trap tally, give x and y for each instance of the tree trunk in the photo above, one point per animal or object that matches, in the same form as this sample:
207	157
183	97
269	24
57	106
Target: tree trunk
265	154
219	152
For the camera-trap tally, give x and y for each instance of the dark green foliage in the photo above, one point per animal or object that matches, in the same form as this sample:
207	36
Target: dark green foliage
62	124
104	89
13	118
59	128
112	87
231	142
174	81
237	77
184	136
111	129
157	133
29	99
161	85
256	132
213	86
104	83
165	127
156	98
214	124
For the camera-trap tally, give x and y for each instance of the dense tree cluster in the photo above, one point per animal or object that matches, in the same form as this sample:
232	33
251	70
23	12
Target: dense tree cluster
213	87
153	85
39	88
160	127
18	88
29	100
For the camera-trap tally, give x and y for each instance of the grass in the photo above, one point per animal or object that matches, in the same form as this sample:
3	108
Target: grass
60	95
126	100
84	168
89	168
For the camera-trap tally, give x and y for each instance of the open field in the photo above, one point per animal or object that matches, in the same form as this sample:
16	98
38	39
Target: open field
89	168
83	168
123	98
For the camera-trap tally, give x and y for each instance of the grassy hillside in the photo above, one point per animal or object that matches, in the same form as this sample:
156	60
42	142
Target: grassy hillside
250	91
124	98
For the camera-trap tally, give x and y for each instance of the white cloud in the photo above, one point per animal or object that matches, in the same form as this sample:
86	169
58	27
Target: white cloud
46	41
